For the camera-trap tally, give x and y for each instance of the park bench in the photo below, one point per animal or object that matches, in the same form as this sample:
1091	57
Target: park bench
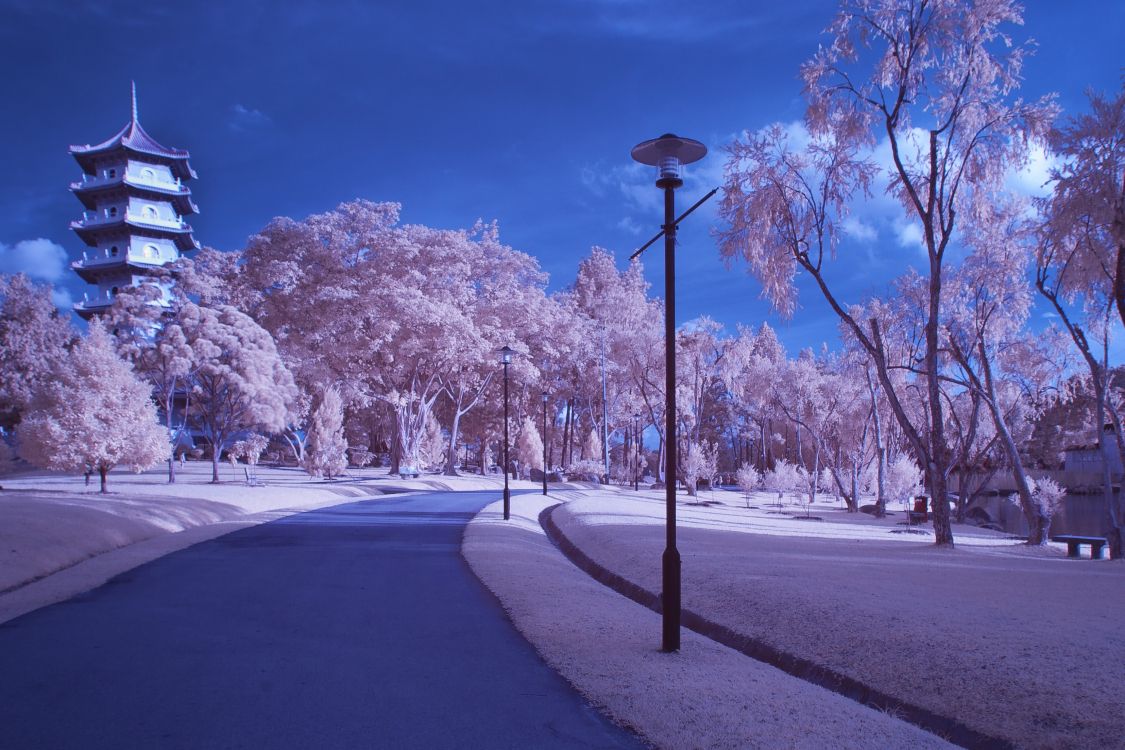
919	514
1074	545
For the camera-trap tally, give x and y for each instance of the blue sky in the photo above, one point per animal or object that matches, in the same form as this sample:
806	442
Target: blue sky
520	112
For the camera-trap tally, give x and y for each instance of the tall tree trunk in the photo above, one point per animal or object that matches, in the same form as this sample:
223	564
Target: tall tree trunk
1112	498
853	501
1119	271
396	445
939	458
1038	522
800	451
451	453
102	472
764	460
769	444
215	451
568	420
171	435
816	471
880	451
1113	507
550	443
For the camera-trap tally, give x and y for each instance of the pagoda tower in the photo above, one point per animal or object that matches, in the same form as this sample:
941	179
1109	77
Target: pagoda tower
136	196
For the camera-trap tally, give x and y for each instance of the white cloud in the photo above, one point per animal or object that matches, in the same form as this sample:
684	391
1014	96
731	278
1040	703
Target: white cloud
40	259
909	234
247	118
859	230
652	20
1032	179
629	225
636	183
62	299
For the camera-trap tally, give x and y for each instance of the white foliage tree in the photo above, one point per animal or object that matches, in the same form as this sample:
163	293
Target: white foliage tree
782	478
904	479
240	381
92	414
700	461
250	449
748	479
326	450
529	447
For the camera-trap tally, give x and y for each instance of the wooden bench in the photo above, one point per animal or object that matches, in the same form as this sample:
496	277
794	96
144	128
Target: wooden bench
1074	545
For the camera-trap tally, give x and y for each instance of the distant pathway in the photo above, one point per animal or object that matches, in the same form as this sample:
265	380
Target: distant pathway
355	626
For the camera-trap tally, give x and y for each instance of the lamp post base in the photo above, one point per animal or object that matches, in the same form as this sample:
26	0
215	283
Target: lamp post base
670	600
507	504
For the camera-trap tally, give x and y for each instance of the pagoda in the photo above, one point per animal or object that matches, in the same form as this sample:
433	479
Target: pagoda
136	196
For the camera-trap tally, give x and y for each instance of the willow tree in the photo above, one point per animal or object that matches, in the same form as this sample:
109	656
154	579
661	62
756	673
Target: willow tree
934	83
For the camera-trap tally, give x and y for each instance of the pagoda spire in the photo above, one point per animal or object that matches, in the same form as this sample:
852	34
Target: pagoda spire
134	101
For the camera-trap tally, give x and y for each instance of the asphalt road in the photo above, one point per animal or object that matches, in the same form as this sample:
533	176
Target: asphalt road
356	626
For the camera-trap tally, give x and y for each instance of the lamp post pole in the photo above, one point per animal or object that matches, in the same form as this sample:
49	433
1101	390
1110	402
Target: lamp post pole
669	153
671	559
544	442
506	359
637	452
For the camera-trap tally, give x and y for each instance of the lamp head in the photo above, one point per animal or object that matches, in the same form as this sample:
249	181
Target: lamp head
669	153
506	354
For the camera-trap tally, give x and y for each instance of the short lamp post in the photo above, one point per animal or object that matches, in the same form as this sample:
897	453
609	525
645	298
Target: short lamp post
544	442
506	359
637	452
669	153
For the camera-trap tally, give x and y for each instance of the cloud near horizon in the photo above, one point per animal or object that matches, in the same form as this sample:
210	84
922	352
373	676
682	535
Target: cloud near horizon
39	259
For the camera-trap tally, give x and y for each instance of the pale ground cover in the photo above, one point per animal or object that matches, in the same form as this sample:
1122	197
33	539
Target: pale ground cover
1018	643
704	696
60	537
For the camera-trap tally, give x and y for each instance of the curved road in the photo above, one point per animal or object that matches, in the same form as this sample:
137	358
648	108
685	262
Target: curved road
355	626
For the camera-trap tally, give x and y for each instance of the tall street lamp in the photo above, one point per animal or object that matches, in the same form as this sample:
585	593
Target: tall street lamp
637	451
506	359
544	442
669	153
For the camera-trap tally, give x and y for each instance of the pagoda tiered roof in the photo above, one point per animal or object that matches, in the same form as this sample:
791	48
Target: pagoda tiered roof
92	271
90	230
178	194
133	138
87	309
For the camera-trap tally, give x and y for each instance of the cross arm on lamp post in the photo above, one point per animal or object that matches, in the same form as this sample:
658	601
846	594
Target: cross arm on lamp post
675	224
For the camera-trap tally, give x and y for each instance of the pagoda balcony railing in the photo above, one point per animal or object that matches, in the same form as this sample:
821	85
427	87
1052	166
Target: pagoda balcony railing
106	256
156	221
95	180
134	178
96	218
97	299
93	218
131	178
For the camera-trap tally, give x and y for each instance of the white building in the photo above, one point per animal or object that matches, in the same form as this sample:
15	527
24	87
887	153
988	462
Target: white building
1091	457
136	196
